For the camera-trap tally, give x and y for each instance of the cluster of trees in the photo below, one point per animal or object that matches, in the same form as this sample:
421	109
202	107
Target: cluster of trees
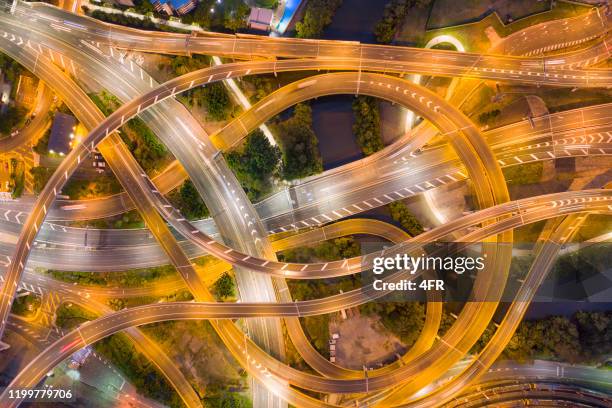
148	151
188	201
180	65
525	173
124	20
486	118
404	319
583	338
331	250
393	16
318	15
41	175
68	316
400	213
10	68
17	177
227	400
229	15
13	115
129	279
102	185
25	305
255	164
367	124
139	370
215	98
299	144
317	327
42	145
224	287
11	118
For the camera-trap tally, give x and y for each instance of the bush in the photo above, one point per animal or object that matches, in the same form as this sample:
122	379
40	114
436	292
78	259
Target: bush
486	118
255	164
41	175
404	319
224	287
148	151
215	98
401	214
367	124
583	338
299	145
11	118
318	15
393	16
188	201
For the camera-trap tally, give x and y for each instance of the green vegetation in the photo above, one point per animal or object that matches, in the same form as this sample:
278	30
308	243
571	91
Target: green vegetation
229	15
525	173
254	164
318	15
130	279
367	124
400	213
583	338
393	16
148	151
17	176
224	287
404	319
187	199
102	185
331	250
216	100
271	4
299	144
121	352
69	315
129	21
40	175
42	145
181	65
317	327
486	118
582	264
139	370
25	305
473	36
11	118
227	400
10	68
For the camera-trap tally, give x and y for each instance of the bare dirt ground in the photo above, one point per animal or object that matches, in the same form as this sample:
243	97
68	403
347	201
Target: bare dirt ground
364	341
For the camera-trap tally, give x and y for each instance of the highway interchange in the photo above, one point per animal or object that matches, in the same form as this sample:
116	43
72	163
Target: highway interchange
468	153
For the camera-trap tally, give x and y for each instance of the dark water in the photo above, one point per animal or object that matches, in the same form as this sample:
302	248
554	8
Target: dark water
355	20
332	119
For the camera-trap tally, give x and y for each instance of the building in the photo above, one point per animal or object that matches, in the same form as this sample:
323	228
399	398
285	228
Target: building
260	18
62	133
170	7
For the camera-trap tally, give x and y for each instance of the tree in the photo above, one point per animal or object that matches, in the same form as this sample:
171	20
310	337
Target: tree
401	214
41	175
224	286
216	100
367	124
394	14
299	145
189	202
255	164
318	15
